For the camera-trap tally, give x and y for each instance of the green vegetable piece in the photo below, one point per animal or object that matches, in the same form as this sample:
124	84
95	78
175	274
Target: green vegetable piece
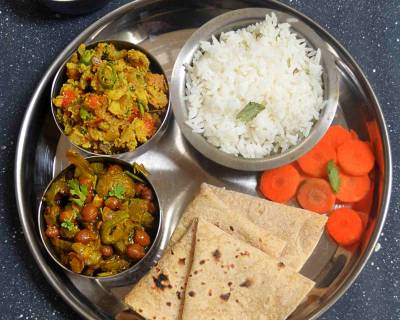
112	231
86	57
89	253
77	190
107	76
139	214
134	176
250	111
333	175
141	108
139	168
84	114
56	187
68	225
117	191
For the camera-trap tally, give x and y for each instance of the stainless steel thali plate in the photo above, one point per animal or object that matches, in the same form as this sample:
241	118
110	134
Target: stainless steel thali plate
162	27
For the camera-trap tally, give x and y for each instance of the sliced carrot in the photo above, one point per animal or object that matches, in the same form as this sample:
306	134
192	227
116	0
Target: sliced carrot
94	102
354	134
68	97
345	226
365	204
314	162
280	184
336	136
364	218
355	157
316	195
352	189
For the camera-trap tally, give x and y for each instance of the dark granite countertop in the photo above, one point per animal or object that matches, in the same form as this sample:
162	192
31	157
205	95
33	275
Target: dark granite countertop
31	37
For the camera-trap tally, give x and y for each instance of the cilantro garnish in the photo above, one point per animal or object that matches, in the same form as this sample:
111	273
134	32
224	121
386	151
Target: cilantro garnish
333	175
67	224
117	191
79	191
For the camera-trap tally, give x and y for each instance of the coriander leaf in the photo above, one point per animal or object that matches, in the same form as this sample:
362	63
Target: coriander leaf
250	111
78	192
67	224
84	114
117	191
134	176
333	175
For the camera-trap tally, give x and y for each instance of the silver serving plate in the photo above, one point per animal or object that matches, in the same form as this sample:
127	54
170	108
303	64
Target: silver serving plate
162	27
234	20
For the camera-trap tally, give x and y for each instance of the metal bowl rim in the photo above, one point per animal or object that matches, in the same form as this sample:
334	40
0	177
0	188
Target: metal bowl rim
141	148
130	270
23	209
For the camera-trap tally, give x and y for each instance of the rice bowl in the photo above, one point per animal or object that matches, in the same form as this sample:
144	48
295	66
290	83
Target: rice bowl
265	63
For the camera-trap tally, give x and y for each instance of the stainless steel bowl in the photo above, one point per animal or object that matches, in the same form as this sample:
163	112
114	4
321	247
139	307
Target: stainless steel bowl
74	7
231	21
61	78
156	233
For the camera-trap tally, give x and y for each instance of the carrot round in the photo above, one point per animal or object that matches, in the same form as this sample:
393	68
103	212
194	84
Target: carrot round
364	218
345	226
315	161
354	134
316	195
366	203
280	184
355	157
336	136
352	189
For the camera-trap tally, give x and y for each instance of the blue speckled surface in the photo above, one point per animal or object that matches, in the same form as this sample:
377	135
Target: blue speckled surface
31	37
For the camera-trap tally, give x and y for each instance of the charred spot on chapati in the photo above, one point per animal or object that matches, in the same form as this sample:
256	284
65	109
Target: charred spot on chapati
229	283
210	292
182	261
178	294
162	281
281	265
225	296
231	228
202	261
247	283
168	304
192	293
216	254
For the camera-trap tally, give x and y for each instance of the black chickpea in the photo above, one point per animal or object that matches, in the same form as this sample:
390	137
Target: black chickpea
112	203
142	238
84	236
135	251
107	251
52	232
89	213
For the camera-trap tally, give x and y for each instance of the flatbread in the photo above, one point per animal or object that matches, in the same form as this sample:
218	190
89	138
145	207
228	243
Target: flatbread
230	279
207	206
301	229
159	294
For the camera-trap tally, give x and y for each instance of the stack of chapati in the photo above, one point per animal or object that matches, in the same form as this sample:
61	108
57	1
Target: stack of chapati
232	256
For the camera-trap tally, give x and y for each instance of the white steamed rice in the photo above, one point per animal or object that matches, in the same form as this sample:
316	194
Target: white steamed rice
264	63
